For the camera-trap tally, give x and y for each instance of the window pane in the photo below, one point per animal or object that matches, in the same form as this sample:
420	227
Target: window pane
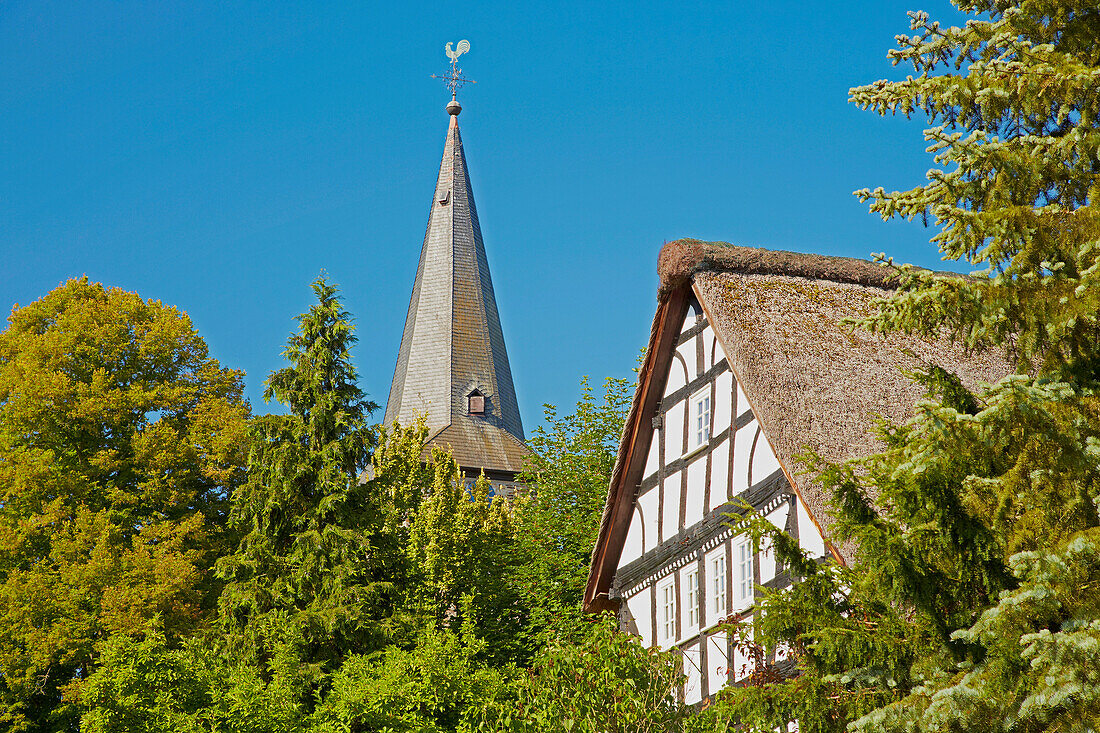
692	584
718	586
701	424
744	574
705	427
668	604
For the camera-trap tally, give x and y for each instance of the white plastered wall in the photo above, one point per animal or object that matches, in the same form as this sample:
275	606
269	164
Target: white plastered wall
632	548
647	503
693	673
717	663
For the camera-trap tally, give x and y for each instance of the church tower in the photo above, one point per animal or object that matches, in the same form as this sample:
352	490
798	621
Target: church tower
452	367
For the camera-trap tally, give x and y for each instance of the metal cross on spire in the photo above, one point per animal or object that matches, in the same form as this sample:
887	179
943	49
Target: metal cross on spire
454	79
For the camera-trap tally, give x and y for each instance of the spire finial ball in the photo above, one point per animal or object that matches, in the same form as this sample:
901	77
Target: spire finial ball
453	107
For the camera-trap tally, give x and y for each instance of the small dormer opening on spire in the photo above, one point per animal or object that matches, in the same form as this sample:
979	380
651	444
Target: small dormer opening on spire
475	403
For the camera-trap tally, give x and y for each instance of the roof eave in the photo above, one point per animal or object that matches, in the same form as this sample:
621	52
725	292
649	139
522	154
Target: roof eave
634	449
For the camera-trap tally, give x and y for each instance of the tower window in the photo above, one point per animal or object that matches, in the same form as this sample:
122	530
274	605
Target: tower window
475	403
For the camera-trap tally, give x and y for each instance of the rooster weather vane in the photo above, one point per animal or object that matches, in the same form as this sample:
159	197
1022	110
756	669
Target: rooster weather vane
454	79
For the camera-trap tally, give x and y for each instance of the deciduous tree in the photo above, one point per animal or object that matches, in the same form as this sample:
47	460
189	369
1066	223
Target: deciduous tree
597	681
558	516
121	441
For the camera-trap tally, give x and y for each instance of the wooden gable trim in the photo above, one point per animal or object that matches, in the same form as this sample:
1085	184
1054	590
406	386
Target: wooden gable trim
634	449
786	471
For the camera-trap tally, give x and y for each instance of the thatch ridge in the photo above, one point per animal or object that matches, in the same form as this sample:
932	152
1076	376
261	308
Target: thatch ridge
680	260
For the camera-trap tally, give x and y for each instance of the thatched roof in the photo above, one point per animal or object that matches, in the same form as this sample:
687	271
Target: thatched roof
813	383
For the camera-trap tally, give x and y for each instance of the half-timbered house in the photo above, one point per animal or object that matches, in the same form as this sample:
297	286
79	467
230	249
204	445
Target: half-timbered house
749	366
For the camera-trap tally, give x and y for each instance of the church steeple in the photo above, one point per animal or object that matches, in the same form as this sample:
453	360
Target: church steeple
453	366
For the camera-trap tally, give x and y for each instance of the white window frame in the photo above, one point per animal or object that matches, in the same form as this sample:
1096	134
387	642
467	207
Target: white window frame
699	417
666	609
716	577
744	587
690	585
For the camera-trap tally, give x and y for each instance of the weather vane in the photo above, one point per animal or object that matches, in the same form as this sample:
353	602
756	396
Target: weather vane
454	80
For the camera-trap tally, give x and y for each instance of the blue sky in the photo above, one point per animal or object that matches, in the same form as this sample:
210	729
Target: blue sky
217	156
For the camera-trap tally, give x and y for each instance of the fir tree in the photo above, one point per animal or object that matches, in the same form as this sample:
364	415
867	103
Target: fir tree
306	560
973	603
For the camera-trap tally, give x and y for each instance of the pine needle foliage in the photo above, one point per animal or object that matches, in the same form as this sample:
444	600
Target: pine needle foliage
305	557
1014	97
972	604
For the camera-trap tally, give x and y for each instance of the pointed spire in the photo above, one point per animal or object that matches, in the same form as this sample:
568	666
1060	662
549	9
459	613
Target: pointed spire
452	350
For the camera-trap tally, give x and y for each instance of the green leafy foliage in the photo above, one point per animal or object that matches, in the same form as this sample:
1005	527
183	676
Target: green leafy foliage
597	681
462	550
356	600
438	685
121	440
557	519
148	685
452	625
